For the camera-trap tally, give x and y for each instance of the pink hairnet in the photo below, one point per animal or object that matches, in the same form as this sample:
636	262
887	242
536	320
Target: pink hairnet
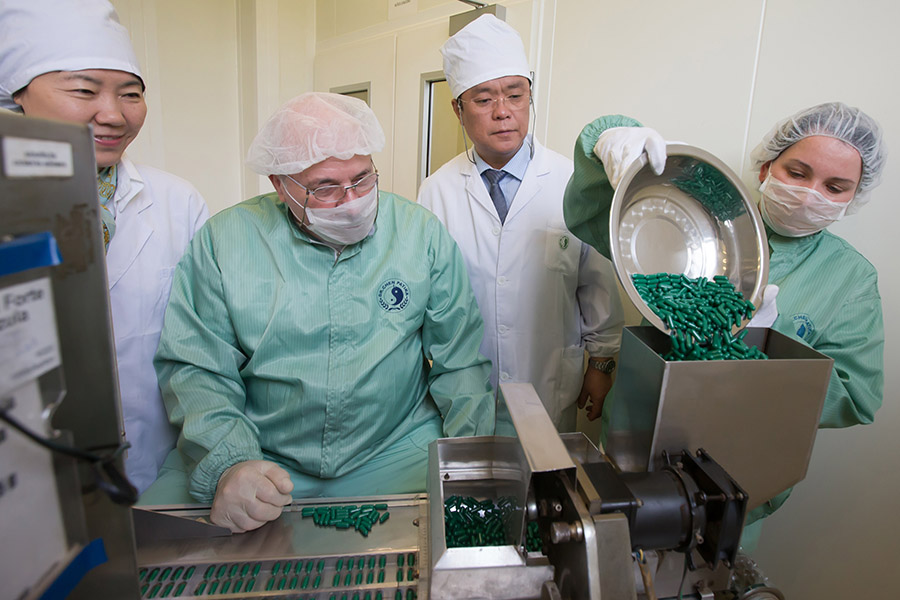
312	127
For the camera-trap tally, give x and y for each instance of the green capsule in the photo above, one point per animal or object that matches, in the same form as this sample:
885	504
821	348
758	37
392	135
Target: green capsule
250	585
180	588
225	585
400	574
213	586
200	589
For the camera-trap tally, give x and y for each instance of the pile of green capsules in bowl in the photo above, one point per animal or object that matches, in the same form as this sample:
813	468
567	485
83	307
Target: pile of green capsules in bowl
472	522
700	314
346	516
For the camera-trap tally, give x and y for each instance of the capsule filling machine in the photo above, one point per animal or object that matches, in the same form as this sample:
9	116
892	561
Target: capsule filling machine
659	513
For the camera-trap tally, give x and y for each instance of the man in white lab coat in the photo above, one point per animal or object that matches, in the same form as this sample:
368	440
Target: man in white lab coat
544	295
74	62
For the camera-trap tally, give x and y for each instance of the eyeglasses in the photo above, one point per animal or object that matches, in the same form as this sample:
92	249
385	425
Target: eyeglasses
487	104
332	194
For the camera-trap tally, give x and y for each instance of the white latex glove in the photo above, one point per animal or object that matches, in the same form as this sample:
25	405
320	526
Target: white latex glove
765	314
250	494
618	147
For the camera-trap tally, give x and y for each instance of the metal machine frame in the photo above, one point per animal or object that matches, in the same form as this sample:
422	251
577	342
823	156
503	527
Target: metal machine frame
68	208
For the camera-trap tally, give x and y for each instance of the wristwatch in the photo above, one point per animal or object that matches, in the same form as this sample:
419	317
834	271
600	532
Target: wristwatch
604	366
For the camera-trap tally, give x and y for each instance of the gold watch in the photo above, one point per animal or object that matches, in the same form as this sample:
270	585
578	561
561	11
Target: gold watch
604	366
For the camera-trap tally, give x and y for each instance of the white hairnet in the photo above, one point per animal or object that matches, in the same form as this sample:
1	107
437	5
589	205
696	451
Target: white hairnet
837	120
485	49
312	127
41	36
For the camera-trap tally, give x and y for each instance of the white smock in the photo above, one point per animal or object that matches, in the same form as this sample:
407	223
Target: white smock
545	296
157	214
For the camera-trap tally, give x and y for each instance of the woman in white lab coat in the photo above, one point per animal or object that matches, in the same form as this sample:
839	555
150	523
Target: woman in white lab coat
74	62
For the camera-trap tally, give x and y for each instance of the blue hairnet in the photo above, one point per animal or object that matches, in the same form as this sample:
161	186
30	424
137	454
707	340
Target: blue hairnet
837	120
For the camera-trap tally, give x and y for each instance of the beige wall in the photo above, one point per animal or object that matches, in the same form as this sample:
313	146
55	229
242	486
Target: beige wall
392	55
215	70
711	73
718	75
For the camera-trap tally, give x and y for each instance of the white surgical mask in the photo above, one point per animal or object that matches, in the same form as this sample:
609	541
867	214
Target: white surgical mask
795	210
345	223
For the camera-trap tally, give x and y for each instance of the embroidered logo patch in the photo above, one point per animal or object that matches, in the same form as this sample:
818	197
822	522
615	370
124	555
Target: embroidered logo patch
803	326
393	295
564	242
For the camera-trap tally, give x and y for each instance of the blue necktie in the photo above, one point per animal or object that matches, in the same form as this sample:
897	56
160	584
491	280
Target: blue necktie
499	200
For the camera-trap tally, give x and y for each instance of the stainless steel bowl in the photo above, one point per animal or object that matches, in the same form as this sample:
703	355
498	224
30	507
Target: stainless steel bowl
696	218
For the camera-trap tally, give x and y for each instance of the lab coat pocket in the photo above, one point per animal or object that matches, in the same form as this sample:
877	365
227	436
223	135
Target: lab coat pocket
561	250
569	377
163	283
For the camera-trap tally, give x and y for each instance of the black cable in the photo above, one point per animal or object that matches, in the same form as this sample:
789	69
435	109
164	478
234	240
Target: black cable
49	444
106	475
683	575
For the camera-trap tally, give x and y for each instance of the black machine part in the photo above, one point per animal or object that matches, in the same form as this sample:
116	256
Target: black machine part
690	503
